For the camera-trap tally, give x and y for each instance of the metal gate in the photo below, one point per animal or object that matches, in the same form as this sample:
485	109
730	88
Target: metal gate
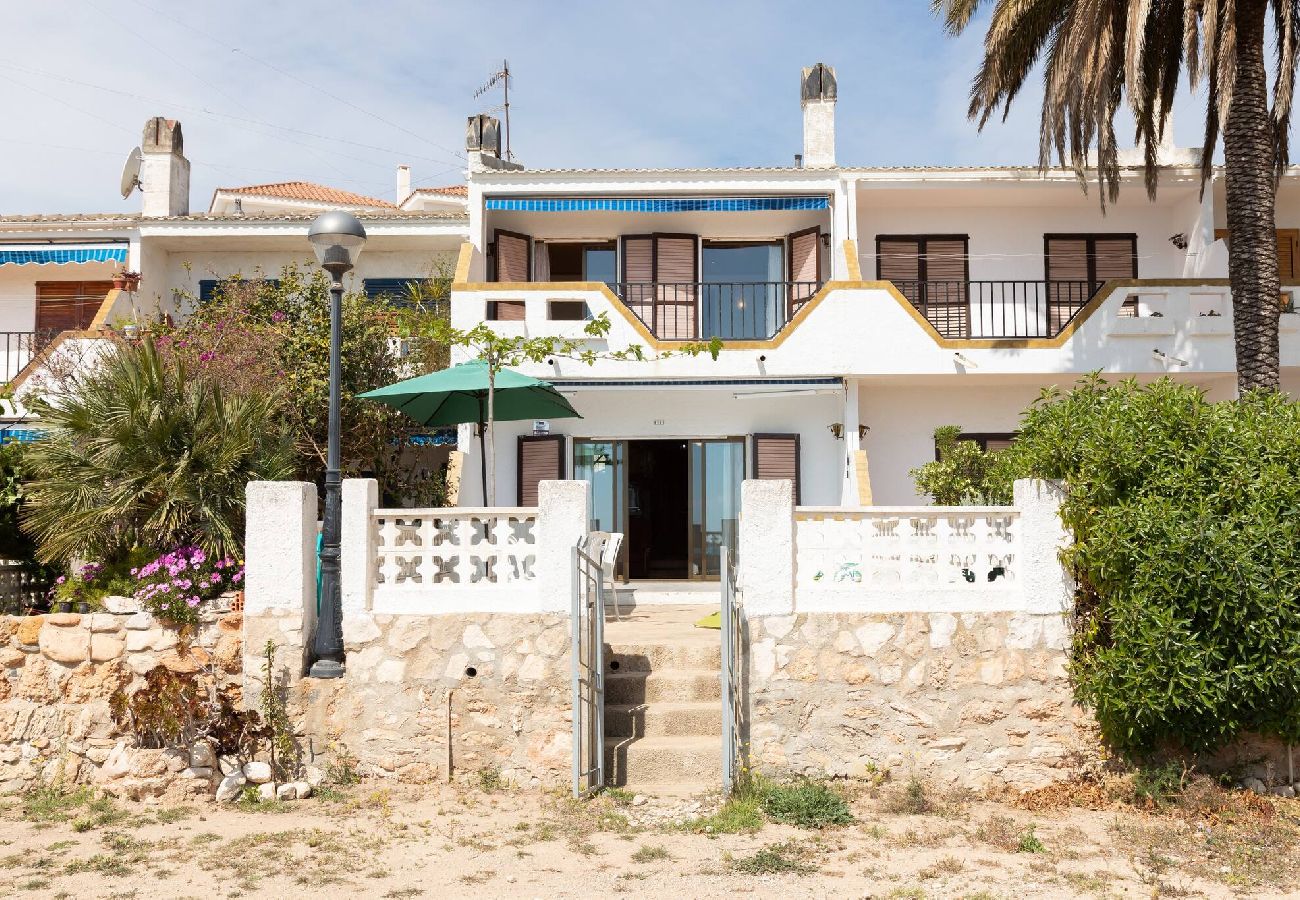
733	674
587	650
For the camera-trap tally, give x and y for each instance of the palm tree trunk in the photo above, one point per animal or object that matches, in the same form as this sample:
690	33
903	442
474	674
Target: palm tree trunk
1249	151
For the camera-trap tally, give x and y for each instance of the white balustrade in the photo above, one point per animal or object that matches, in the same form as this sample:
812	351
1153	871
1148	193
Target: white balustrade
428	556
902	549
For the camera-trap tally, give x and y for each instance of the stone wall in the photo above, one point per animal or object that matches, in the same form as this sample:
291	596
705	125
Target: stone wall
976	699
59	673
507	676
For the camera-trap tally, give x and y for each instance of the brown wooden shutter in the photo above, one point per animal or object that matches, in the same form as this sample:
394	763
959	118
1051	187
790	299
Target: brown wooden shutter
805	265
1069	277
1114	259
946	284
512	255
776	456
68	305
639	275
541	458
506	310
1287	238
676	274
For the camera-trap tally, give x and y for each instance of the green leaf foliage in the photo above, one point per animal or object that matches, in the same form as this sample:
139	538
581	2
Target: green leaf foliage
1186	524
144	452
963	474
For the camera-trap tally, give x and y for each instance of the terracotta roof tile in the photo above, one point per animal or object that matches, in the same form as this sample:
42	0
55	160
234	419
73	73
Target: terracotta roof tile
306	190
451	190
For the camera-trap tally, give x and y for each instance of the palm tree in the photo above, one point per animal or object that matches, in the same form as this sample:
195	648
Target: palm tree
1097	52
145	453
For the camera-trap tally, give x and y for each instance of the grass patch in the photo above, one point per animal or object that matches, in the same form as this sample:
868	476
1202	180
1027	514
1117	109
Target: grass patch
805	803
620	796
647	854
912	799
1028	842
738	815
775	859
490	780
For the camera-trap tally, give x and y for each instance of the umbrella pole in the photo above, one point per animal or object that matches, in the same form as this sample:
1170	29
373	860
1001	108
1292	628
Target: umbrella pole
482	453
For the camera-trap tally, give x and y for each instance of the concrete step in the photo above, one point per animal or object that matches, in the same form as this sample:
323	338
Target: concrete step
687	763
625	720
689	652
677	686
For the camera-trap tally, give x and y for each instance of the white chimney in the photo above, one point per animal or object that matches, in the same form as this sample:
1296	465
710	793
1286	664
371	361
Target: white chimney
403	184
817	97
164	170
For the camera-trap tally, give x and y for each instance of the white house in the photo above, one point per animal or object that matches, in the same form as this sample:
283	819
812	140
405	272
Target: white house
858	309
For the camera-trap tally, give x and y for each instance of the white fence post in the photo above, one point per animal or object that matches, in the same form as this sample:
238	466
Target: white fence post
766	573
563	517
1046	585
279	573
360	499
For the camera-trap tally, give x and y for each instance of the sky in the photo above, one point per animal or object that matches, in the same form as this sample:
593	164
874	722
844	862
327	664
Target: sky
341	92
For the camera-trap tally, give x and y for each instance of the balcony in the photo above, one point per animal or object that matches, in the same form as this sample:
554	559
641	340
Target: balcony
700	311
995	310
17	348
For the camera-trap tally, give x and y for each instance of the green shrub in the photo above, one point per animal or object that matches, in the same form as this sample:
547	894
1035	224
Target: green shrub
1161	784
1187	556
963	474
805	803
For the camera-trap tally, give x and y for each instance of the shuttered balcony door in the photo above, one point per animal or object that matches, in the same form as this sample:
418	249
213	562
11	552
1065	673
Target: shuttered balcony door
541	458
776	456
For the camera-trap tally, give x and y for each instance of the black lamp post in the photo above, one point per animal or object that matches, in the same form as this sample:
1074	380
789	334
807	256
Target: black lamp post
337	237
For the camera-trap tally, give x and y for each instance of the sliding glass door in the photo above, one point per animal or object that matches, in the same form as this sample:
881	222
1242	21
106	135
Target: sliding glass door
716	469
604	465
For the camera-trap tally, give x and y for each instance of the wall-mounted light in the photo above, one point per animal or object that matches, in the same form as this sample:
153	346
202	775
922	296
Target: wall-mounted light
836	430
1179	240
826	239
862	432
962	360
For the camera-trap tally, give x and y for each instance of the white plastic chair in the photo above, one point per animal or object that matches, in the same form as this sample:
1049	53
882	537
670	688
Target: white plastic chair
608	560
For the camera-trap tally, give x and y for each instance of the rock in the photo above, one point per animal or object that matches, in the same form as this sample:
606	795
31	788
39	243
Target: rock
475	639
266	791
302	790
65	645
873	636
639	800
141	663
11	658
104	647
229	653
1284	790
181	665
200	772
1254	785
257	772
30	629
104	622
228	765
117	764
230	788
942	628
141	621
285	792
315	776
64	620
201	754
121	605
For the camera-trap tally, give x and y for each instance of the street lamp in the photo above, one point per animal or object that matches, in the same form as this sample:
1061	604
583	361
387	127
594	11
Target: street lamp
337	237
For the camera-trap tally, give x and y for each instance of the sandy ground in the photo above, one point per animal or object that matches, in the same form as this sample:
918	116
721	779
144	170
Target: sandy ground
486	841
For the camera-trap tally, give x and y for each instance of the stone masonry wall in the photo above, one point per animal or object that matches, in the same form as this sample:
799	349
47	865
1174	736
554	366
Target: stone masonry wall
59	672
508	675
976	699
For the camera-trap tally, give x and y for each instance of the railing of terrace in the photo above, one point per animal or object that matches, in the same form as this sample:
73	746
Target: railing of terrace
455	547
690	310
999	309
17	349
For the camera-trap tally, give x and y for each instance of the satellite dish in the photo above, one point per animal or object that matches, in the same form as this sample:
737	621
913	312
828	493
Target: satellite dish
131	172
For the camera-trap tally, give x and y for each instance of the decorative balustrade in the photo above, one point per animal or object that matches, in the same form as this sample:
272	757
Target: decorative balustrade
461	548
906	548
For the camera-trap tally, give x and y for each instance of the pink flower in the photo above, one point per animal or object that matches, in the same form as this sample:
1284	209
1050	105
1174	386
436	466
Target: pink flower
192	602
215	579
236	578
278	316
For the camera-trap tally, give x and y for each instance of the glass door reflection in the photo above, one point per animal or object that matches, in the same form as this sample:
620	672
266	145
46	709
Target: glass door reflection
716	469
604	465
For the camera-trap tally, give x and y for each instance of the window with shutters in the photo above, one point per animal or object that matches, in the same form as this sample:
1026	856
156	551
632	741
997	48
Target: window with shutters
1078	265
805	265
541	458
933	272
661	282
1287	241
396	291
776	456
68	305
985	440
208	286
512	256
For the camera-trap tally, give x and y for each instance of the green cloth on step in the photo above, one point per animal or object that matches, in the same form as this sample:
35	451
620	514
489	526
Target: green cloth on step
712	620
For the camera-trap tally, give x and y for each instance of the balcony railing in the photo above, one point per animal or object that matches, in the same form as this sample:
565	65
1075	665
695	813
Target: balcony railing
737	310
999	309
17	349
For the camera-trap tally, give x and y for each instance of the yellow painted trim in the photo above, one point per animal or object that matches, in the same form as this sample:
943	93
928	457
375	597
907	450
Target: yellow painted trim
561	287
463	259
851	260
105	307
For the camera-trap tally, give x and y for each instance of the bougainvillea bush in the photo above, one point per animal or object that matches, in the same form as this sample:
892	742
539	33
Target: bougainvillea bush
175	586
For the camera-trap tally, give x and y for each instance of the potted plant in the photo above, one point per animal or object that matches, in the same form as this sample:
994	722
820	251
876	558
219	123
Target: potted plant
119	281
132	281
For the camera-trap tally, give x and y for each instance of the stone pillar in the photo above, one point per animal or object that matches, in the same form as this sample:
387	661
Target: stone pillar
766	574
563	513
279	577
1047	586
360	499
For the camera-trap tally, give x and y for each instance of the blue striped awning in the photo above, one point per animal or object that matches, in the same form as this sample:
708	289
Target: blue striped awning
656	204
60	255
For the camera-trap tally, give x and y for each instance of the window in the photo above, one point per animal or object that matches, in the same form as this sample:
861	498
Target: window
933	272
566	310
395	290
68	305
580	261
208	286
985	440
1077	265
505	310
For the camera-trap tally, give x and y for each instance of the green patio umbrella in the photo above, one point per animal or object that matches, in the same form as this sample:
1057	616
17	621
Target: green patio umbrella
459	395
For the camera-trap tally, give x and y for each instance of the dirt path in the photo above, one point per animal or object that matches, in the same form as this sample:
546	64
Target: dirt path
369	841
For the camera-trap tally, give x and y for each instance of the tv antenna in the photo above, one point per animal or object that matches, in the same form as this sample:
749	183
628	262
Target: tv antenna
131	172
502	77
